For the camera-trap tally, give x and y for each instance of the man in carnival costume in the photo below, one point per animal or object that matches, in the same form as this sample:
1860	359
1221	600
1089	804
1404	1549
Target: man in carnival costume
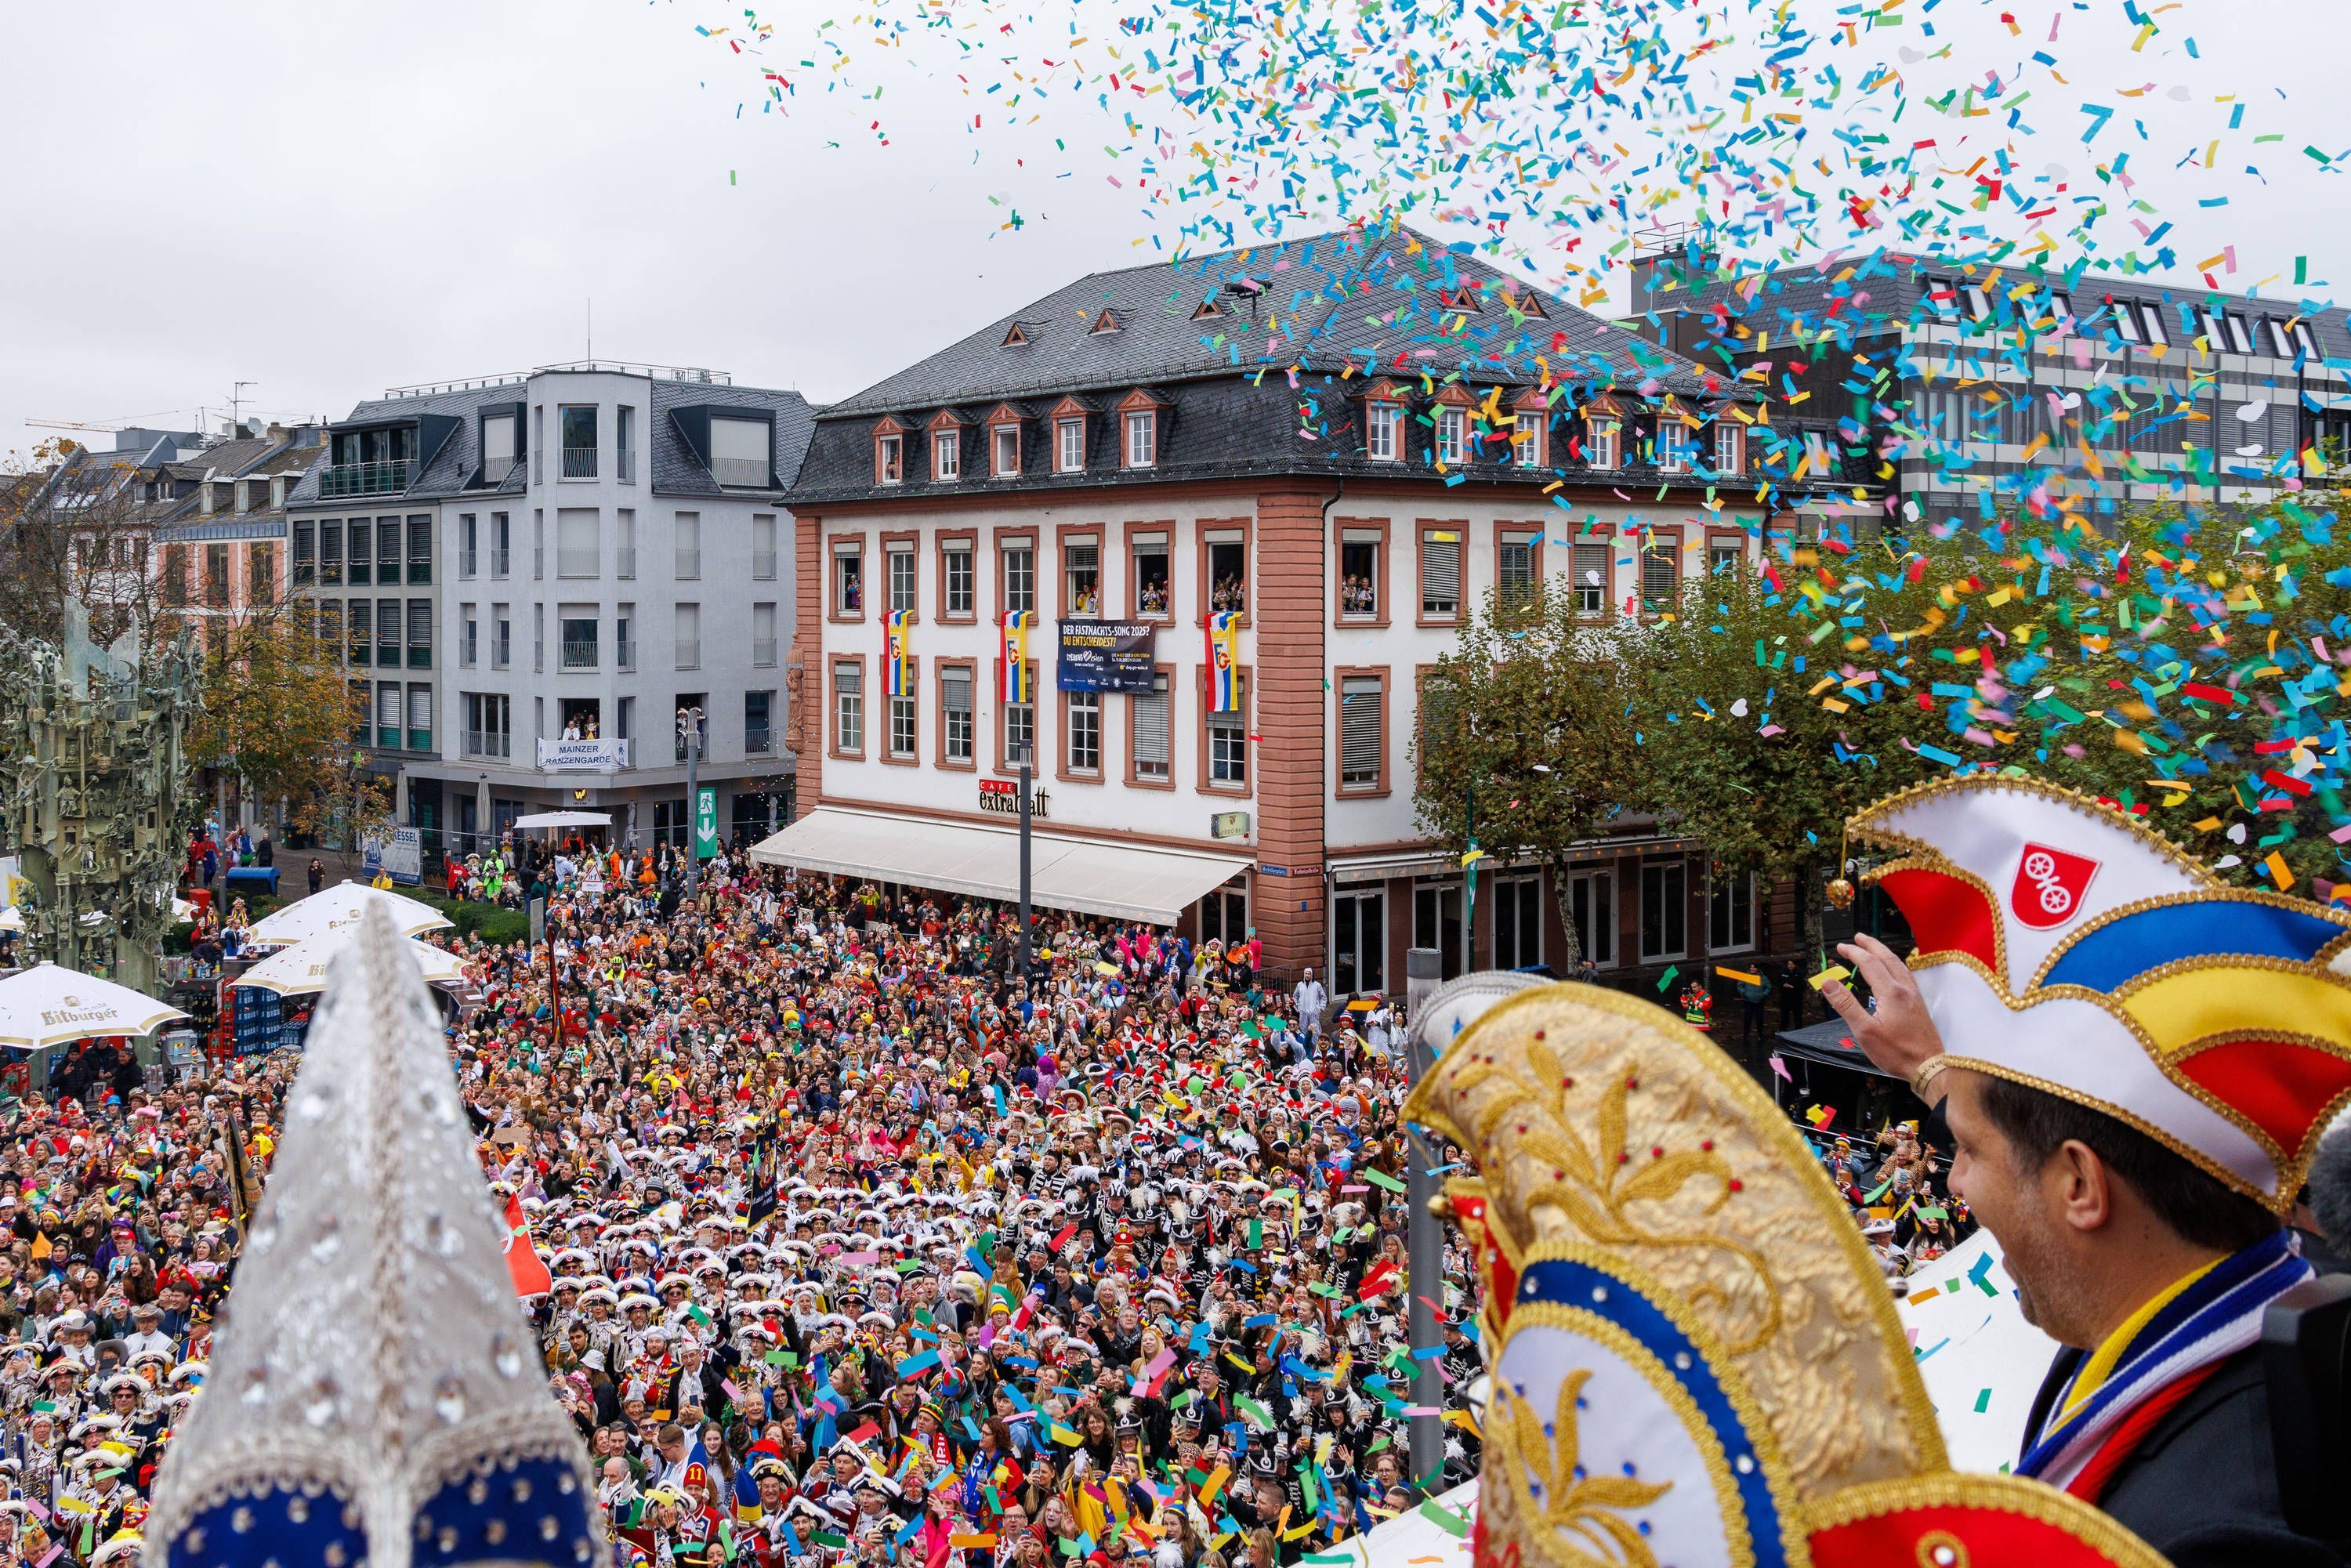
2134	1063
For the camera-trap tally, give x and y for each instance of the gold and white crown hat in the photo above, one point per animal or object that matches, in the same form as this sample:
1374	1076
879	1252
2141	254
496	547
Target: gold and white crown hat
2061	944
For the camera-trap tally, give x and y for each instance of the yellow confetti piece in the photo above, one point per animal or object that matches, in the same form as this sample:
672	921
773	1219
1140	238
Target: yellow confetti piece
1834	972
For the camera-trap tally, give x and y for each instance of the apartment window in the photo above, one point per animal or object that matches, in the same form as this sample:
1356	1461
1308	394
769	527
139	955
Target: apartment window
763	547
261	572
956	577
578	425
1019	731
624	643
1362	732
946	455
1660	578
420	551
539	641
1517	922
2240	336
176	575
469	633
1154	732
488	725
2125	316
331	554
497	447
578	548
420	718
390	706
1729	449
889	460
501	543
1006	448
1359	574
387	620
362	624
1142	438
1440	574
305	566
1020	577
848	578
955	714
1383	431
330	626
688	624
362	551
763	636
624	444
468	546
1436	923
1070	445
1589	565
538	444
1677	447
538	544
1154	594
688	541
1665	910
742	454
1358	942
579	626
1229	740
1081	578
624	553
420	634
1527	437
1228	570
1603	442
901	728
387	551
1724	556
1731	913
1515	561
1977	306
625	726
1084	732
1452	435
2157	329
501	636
901	561
759	724
1591	913
698	704
849	707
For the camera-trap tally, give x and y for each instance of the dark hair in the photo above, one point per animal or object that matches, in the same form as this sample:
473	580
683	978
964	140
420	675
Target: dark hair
2195	1206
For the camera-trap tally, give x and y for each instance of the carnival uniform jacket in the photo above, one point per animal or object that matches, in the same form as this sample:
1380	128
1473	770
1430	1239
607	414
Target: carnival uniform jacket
2202	1486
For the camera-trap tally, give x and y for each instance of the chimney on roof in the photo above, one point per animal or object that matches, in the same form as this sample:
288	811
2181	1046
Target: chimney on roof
275	433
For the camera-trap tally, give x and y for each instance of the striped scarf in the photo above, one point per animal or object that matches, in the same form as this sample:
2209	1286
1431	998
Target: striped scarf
2210	1320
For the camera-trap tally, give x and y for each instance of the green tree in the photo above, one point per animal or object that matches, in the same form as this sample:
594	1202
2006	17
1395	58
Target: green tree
279	715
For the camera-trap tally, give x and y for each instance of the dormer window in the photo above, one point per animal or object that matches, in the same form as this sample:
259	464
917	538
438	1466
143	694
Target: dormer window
1676	445
1141	437
1452	435
1384	423
1070	444
1462	297
1016	337
1729	449
1105	321
1603	440
1004	446
1527	437
889	452
1528	303
946	455
1208	309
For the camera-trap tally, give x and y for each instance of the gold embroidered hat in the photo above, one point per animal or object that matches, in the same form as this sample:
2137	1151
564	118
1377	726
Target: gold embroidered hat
2062	944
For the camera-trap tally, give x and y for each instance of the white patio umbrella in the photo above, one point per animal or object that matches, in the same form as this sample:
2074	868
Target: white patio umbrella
339	908
301	969
12	918
45	1005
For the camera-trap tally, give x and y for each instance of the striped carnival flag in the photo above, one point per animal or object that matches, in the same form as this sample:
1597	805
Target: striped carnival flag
897	664
1224	679
1019	680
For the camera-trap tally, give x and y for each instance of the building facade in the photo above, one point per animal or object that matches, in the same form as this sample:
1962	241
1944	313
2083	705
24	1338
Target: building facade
1278	562
531	575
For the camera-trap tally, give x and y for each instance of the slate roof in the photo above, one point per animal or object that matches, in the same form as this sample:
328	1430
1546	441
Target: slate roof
1361	298
672	467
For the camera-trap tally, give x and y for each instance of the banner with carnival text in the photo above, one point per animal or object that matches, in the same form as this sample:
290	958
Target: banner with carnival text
1016	678
897	664
1224	661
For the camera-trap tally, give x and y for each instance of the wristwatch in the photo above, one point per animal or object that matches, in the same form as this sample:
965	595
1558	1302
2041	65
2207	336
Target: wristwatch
1922	1083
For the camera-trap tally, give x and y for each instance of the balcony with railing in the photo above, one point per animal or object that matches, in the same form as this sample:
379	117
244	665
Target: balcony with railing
498	563
579	653
488	743
468	650
758	740
689	653
763	564
468	564
385	477
742	473
579	462
501	652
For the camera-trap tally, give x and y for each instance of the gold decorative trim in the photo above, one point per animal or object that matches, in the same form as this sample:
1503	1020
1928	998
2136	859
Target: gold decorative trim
2260	895
2006	1494
1933	861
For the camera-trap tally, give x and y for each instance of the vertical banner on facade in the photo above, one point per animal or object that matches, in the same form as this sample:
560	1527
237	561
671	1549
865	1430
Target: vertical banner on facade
897	664
1224	661
1015	681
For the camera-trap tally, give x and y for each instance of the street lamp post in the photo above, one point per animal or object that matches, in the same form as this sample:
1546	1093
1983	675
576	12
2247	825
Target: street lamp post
689	736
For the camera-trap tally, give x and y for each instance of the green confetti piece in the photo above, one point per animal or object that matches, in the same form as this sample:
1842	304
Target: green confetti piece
1984	1401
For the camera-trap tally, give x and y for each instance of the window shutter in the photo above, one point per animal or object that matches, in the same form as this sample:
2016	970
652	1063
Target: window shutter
849	680
1659	583
955	688
1440	570
1359	730
1152	743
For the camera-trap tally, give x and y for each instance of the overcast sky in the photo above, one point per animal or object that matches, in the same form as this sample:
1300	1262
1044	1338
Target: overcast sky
328	200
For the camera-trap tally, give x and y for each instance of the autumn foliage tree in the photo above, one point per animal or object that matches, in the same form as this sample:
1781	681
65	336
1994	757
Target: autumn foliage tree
279	716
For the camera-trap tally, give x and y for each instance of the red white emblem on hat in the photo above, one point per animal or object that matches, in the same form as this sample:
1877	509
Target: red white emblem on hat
2050	884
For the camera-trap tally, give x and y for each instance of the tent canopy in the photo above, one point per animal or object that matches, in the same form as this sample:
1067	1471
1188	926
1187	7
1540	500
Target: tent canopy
1089	876
45	1005
565	819
1830	1043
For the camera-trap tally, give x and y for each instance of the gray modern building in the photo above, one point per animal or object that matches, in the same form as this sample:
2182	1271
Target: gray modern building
532	574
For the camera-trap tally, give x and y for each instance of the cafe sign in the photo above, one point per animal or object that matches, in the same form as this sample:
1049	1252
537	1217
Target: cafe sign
1002	797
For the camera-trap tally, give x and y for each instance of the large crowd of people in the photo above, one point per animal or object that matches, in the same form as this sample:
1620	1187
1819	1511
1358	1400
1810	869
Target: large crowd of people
863	1241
